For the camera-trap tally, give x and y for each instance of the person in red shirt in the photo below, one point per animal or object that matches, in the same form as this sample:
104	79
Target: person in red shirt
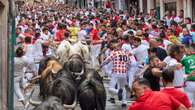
28	33
96	41
168	76
150	100
177	29
95	33
60	33
108	4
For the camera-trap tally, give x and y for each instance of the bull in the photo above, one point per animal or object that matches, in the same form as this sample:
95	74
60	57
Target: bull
58	82
68	48
64	87
48	68
75	81
91	91
52	103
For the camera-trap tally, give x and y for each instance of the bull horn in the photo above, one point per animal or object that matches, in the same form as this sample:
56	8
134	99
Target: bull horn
36	78
73	105
57	57
32	102
82	72
35	103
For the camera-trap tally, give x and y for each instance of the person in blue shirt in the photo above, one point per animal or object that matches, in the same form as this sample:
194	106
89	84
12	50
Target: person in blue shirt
186	37
193	33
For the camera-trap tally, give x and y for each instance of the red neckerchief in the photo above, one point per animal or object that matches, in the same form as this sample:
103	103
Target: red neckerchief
161	45
193	53
125	42
169	17
34	40
180	16
147	39
192	30
168	87
173	17
26	34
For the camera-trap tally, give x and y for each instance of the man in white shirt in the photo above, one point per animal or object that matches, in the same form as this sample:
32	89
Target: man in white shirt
174	61
140	51
179	71
45	36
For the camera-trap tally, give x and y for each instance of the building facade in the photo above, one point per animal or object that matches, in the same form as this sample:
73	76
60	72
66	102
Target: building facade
3	53
161	5
169	5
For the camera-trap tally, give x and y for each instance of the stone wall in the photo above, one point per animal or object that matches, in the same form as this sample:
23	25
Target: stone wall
3	53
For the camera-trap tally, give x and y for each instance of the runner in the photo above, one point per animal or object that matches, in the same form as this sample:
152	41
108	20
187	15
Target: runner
41	28
120	60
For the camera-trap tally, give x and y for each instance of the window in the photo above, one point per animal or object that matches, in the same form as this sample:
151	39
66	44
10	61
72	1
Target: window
145	6
171	6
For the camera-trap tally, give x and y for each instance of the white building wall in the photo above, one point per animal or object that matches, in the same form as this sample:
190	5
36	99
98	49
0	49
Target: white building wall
188	10
186	5
179	5
162	9
118	4
141	5
150	5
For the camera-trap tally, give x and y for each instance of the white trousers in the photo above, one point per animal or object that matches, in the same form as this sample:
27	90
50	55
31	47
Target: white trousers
121	81
131	75
108	69
179	77
17	89
190	90
133	68
95	51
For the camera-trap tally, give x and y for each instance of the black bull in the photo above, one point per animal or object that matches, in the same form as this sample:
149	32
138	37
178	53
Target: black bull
51	103
91	92
88	90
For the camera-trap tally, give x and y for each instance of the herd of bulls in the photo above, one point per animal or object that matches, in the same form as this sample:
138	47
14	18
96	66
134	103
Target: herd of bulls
64	87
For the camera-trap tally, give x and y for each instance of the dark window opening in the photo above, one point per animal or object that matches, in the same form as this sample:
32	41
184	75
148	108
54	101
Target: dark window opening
170	6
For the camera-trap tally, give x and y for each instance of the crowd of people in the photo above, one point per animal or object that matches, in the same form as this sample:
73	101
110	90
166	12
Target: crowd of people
154	59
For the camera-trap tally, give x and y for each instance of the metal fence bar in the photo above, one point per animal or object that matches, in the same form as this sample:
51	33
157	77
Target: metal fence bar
12	40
